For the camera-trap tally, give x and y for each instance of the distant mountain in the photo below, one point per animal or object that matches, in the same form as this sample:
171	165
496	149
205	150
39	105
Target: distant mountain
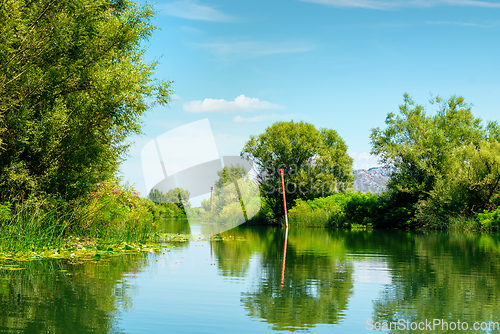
373	180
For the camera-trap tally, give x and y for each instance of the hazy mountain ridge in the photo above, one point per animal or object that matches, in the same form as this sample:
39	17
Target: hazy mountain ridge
373	180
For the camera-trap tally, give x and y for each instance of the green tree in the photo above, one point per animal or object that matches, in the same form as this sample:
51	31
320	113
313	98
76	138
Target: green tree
441	164
234	195
178	196
315	162
73	86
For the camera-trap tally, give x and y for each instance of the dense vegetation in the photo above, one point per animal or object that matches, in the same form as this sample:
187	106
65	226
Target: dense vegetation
315	163
341	210
445	167
73	86
445	172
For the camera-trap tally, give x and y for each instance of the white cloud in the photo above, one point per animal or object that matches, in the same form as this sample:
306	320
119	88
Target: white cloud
192	10
364	160
395	4
241	103
251	49
260	118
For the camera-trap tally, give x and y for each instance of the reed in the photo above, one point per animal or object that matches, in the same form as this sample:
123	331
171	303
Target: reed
114	213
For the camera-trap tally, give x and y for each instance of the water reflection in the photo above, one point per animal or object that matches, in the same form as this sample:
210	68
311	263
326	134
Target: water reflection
447	276
282	285
58	296
176	225
313	288
286	282
433	275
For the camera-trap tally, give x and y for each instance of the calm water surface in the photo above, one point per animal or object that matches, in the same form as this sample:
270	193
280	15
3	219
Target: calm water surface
327	281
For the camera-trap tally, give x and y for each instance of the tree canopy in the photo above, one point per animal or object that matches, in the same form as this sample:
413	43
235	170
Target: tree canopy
177	196
73	86
315	162
442	164
235	197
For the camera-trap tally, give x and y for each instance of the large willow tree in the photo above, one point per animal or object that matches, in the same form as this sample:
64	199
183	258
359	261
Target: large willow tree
443	165
73	86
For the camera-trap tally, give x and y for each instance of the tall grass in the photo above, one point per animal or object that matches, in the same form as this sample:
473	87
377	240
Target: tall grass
339	210
31	226
113	212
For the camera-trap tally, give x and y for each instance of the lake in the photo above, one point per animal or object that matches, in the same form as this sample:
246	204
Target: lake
248	281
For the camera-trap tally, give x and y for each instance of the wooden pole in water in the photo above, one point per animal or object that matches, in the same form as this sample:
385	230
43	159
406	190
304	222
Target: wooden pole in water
282	172
211	199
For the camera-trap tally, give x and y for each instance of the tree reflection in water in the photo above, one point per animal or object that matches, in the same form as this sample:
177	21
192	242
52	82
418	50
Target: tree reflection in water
57	296
317	282
448	276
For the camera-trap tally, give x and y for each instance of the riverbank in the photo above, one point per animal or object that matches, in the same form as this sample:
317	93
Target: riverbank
112	216
366	210
114	219
88	249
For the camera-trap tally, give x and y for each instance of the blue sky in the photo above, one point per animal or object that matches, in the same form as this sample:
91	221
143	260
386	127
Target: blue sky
338	64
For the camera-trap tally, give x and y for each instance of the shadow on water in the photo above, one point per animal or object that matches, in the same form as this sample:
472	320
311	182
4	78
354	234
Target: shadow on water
176	225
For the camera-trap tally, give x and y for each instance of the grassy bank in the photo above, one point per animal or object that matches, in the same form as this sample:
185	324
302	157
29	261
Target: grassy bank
354	209
113	214
340	210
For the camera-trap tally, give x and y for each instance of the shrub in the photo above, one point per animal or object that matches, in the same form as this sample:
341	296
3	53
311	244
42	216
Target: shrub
339	210
489	220
115	210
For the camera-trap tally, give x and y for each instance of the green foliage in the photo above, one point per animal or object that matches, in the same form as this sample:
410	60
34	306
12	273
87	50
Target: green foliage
443	166
73	86
166	211
394	210
5	210
235	197
113	211
177	196
339	210
315	163
116	210
110	204
230	174
489	220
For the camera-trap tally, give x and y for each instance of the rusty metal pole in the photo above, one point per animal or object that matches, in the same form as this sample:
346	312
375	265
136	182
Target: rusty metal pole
282	172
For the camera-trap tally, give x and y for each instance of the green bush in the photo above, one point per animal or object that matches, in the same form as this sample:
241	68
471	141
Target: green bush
166	211
339	210
115	210
489	220
112	211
